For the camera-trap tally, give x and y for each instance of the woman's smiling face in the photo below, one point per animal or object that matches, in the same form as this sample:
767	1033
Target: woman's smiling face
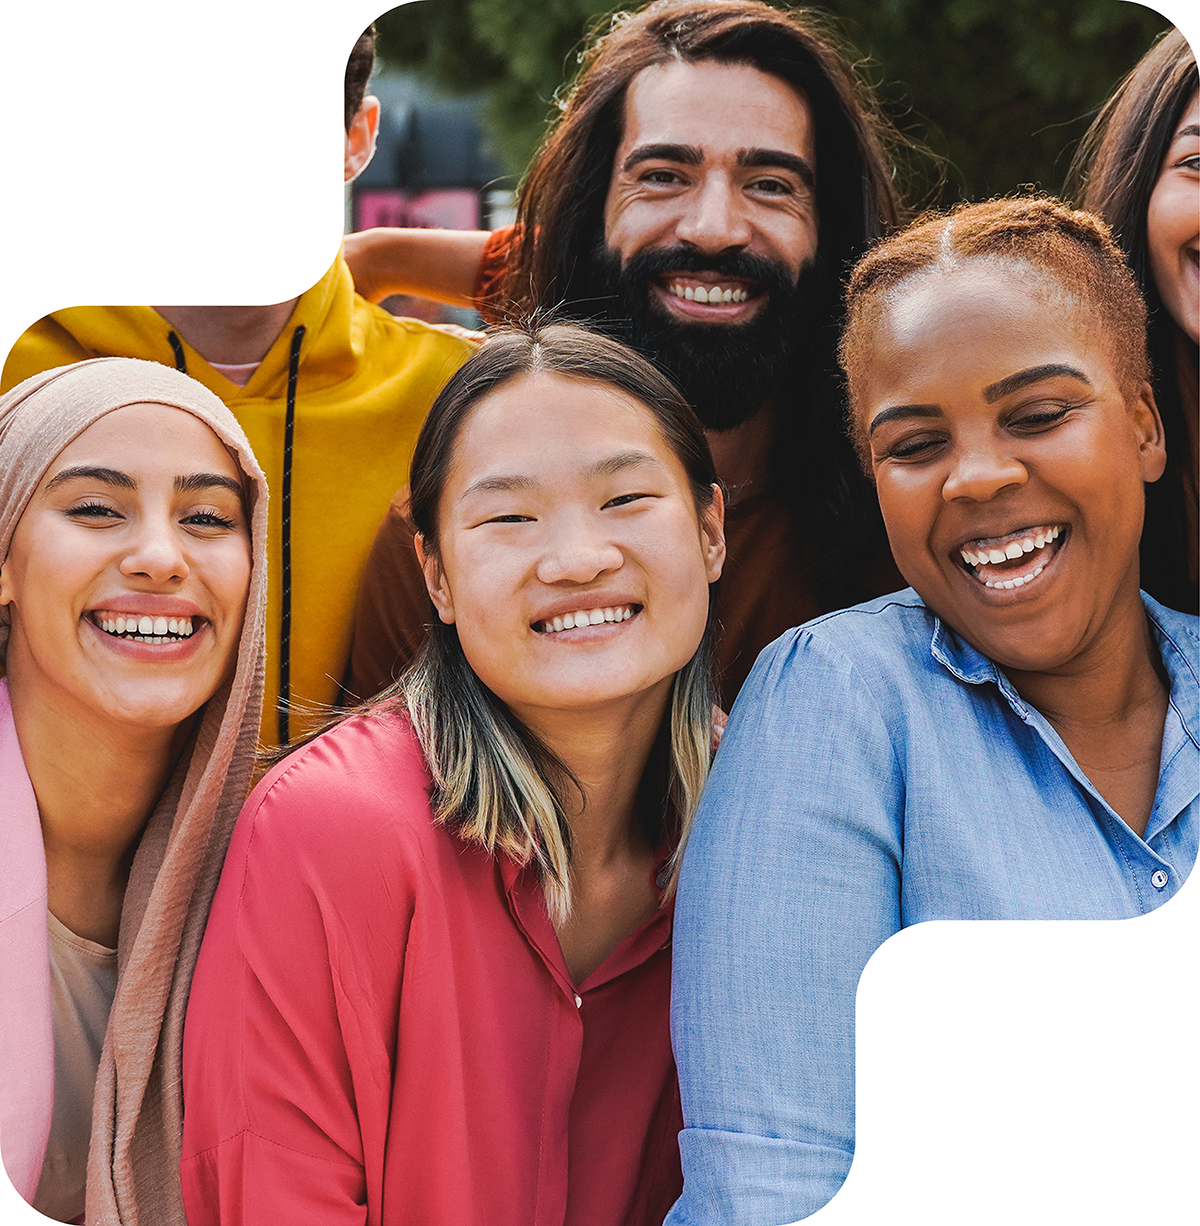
1009	458
1173	225
127	575
571	556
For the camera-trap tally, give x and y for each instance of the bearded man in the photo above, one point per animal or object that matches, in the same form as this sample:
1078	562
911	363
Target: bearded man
716	169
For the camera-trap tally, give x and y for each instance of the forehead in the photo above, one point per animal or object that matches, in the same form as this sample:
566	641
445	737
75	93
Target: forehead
551	422
148	438
717	108
976	324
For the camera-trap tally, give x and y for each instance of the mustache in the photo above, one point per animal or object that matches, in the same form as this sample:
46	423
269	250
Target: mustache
774	276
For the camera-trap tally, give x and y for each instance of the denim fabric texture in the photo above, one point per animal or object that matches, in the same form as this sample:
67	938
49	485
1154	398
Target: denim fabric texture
877	771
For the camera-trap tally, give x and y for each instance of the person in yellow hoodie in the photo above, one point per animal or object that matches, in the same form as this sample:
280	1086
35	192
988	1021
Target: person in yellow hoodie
331	392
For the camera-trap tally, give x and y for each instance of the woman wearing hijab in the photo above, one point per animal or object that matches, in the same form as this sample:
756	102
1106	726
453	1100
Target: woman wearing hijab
132	589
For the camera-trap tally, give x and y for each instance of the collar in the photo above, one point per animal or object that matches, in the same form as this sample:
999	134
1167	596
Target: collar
1174	633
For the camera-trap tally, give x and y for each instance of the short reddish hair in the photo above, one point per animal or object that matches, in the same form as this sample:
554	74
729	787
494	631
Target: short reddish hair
1076	248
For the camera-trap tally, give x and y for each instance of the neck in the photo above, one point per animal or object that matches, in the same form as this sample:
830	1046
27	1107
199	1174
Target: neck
607	752
93	803
1118	674
743	455
229	335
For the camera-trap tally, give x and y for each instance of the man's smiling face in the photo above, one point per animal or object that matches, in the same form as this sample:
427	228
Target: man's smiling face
710	220
716	159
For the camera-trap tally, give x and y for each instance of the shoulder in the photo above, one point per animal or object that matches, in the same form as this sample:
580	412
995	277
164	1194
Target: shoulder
878	637
441	348
361	787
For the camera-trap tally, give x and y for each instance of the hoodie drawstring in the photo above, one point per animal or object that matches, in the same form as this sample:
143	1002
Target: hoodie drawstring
285	540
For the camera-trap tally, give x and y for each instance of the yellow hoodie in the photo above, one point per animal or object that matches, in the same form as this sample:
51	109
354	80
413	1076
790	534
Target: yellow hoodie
364	382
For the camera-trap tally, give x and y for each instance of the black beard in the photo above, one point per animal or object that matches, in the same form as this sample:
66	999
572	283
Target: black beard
726	372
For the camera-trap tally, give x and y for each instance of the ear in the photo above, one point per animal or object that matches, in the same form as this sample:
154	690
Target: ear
712	532
360	139
435	581
1148	426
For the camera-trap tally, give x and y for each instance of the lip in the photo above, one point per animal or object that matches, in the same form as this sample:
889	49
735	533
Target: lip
709	312
157	653
153	604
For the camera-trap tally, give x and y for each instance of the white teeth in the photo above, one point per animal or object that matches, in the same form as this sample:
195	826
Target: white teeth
585	617
147	629
714	293
1011	551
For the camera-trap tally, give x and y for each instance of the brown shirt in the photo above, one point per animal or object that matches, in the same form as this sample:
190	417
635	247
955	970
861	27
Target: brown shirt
763	593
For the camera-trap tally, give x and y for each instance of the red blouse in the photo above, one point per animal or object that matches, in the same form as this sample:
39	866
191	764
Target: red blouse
382	1028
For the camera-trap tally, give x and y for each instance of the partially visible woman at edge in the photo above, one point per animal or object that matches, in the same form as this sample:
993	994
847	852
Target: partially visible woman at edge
435	982
1139	168
132	588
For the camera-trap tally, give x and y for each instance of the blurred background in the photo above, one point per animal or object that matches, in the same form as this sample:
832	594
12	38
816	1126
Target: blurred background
995	94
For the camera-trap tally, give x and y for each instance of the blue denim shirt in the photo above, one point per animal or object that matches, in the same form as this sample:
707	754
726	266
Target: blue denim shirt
877	771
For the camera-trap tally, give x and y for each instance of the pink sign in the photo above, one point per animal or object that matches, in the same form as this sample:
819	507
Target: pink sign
451	209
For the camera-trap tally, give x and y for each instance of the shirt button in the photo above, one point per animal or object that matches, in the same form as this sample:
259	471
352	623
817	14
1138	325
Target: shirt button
1158	879
579	999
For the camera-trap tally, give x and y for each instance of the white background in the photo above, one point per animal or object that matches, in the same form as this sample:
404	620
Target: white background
155	151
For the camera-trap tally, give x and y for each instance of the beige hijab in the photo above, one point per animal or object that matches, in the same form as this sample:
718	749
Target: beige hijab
133	1163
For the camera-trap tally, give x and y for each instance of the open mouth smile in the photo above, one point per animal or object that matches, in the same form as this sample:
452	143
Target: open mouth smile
145	628
711	297
1013	560
587	617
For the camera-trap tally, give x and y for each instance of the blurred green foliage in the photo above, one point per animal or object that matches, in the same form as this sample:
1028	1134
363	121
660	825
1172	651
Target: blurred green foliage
997	91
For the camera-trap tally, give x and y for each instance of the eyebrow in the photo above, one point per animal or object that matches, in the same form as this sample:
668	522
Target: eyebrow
88	472
799	166
1023	378
1187	130
688	154
195	483
901	411
618	463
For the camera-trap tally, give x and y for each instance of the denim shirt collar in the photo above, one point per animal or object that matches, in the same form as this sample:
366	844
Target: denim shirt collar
1176	637
1175	646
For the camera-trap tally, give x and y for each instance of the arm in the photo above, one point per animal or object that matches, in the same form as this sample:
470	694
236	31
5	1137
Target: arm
438	264
790	882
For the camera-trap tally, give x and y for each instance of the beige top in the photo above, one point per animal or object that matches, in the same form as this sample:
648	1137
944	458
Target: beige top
83	981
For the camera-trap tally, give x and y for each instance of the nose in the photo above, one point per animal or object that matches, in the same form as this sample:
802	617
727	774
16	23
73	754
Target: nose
578	552
981	470
715	217
155	551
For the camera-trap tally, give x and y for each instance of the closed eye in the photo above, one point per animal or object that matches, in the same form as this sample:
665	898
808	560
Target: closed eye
94	511
210	519
1042	418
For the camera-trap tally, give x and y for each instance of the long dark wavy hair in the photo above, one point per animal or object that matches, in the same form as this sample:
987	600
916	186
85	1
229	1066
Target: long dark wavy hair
1113	174
561	206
